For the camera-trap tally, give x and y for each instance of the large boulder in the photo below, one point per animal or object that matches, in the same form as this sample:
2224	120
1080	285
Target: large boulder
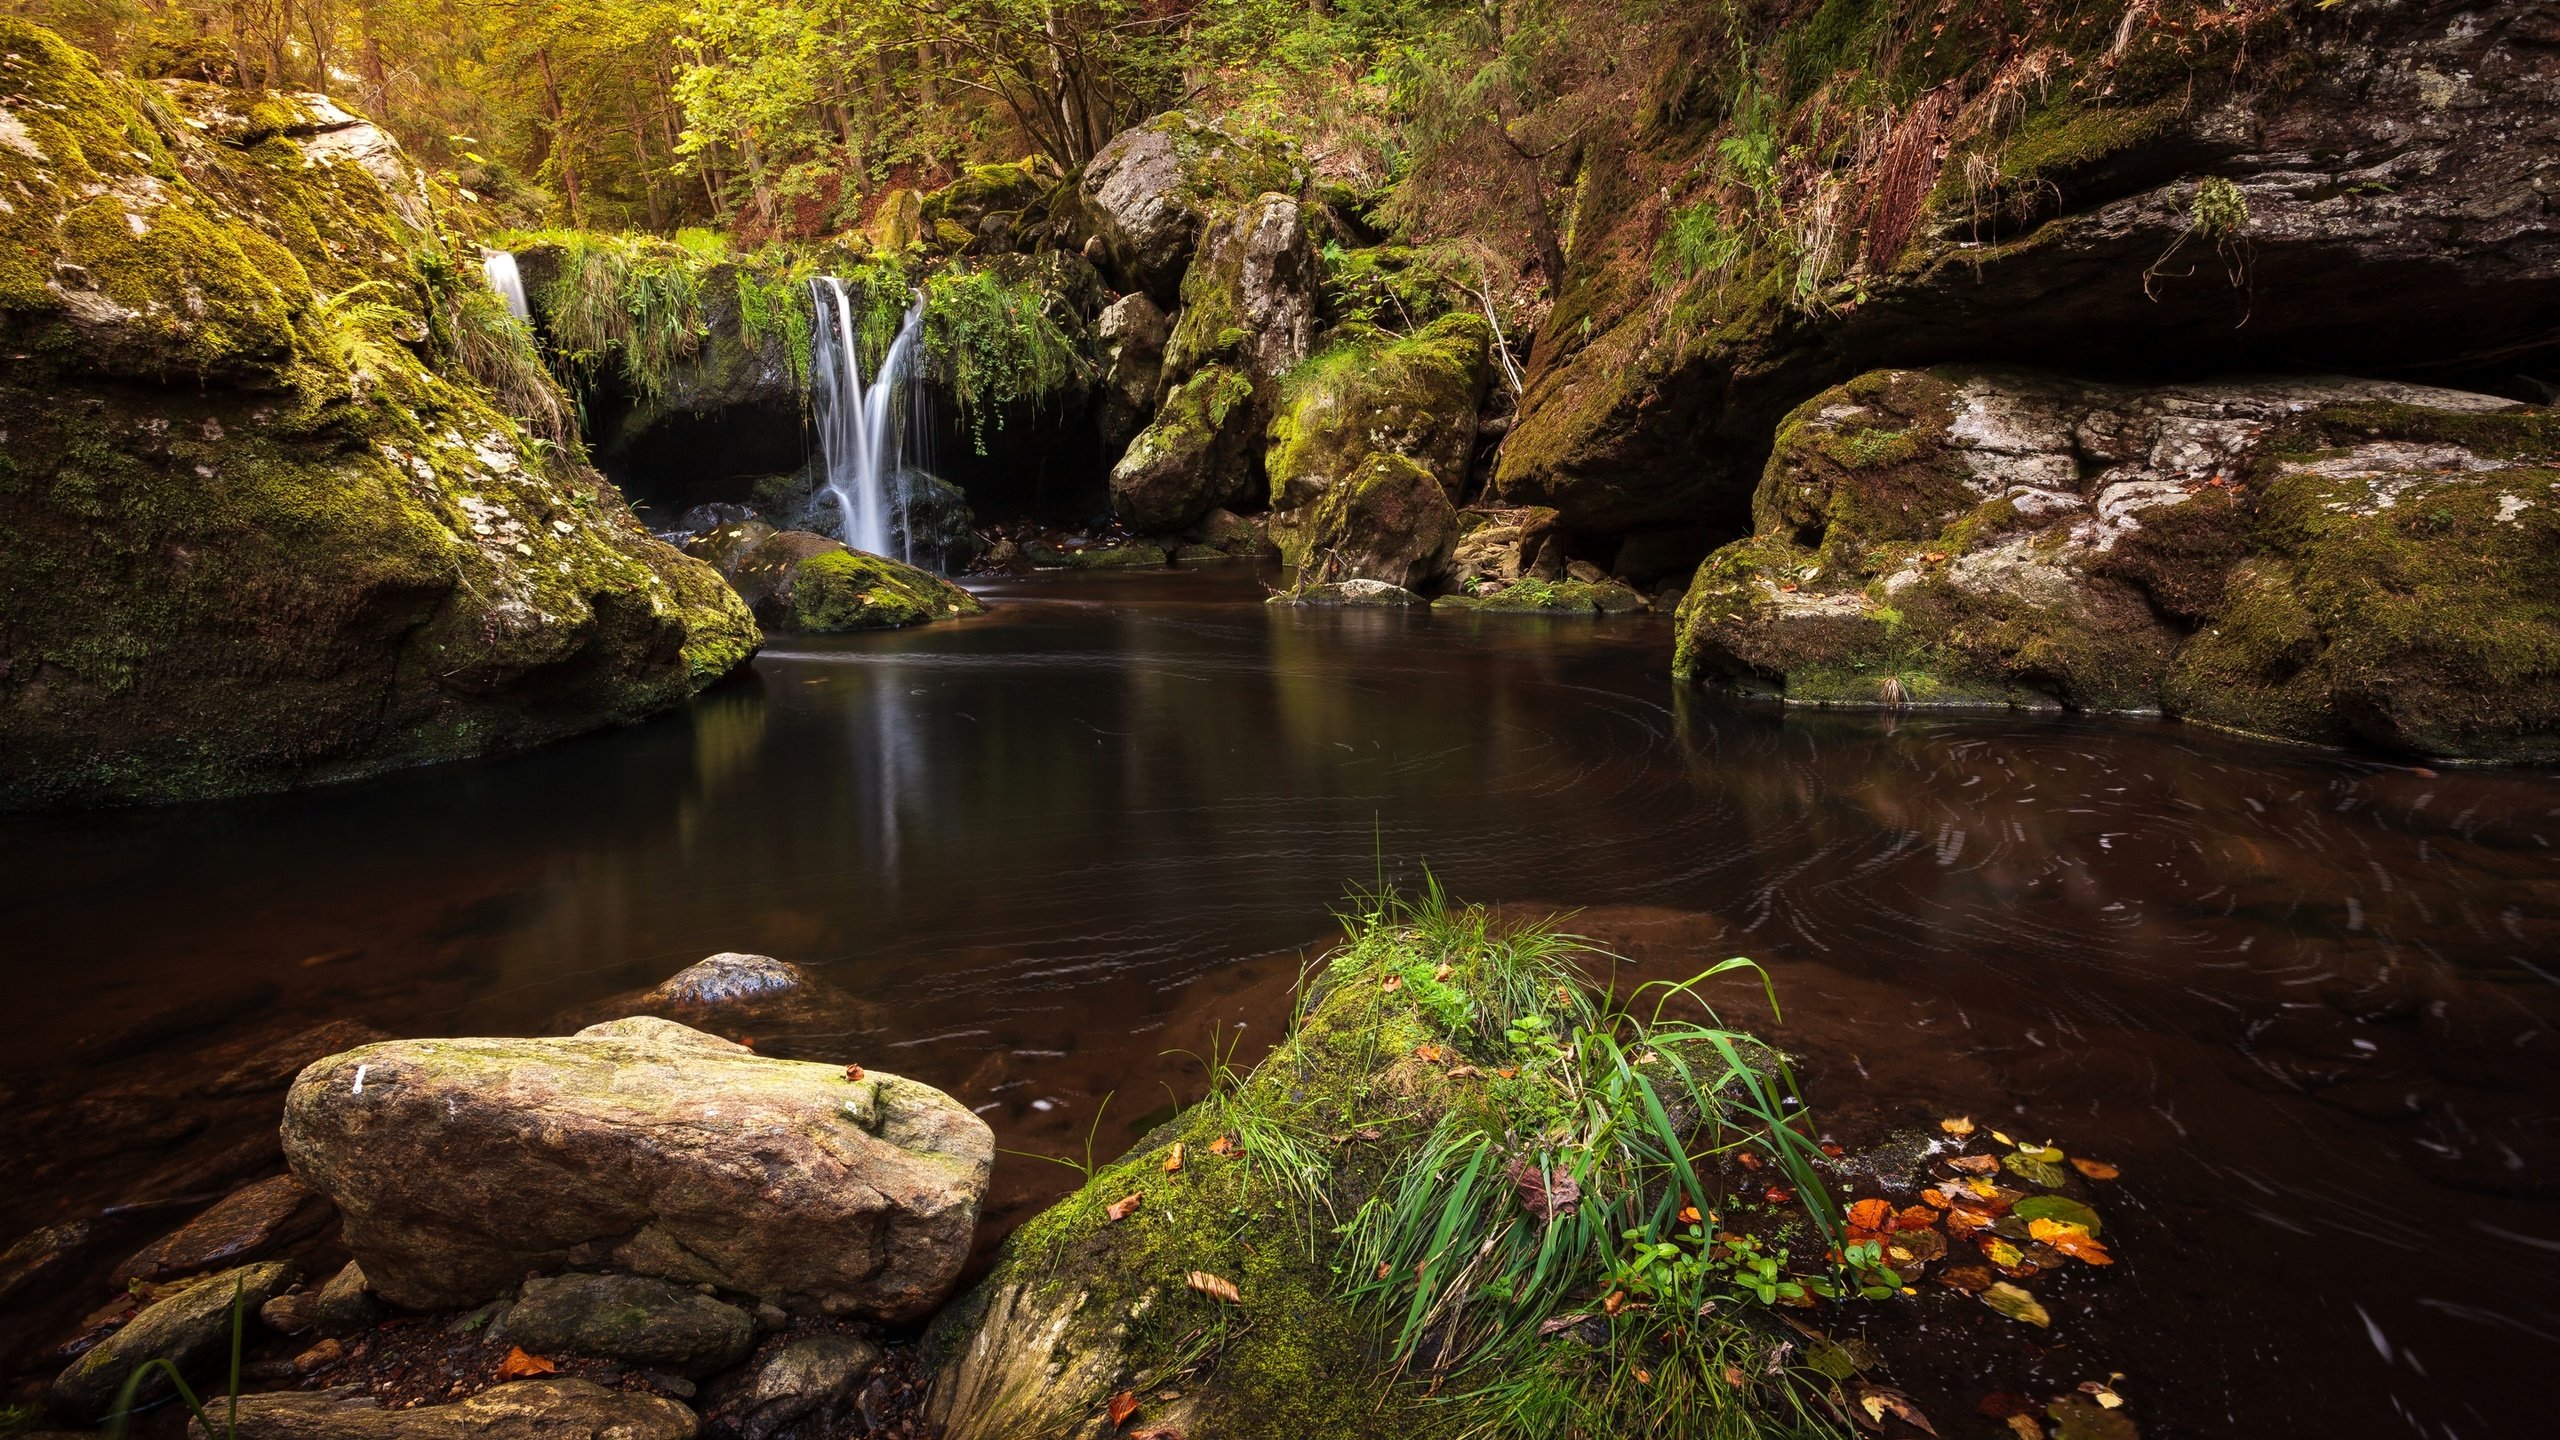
2338	561
299	552
1193	458
1149	191
799	580
1369	391
2201	184
1250	297
1388	520
189	1326
1129	338
634	1319
462	1165
549	1408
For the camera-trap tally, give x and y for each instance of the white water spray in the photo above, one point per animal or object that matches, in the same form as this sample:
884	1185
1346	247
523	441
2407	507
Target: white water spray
863	432
500	268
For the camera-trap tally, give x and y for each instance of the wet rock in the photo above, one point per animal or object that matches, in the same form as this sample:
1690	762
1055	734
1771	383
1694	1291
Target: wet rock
274	1062
241	1226
1149	191
1388	520
462	1165
633	1319
189	1326
1369	391
796	580
1549	597
1349	592
725	546
1133	555
343	1306
1129	339
731	995
808	1386
2326	560
545	1409
712	515
1193	458
42	1257
1230	534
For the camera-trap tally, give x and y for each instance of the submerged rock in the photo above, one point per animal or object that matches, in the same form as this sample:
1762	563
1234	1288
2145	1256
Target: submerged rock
549	1408
1349	592
633	1319
300	553
189	1326
241	1226
1388	520
461	1165
731	994
1368	391
2327	560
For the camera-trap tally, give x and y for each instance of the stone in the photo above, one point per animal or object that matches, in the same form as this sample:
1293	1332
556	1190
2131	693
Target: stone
462	1165
797	580
635	1320
1388	520
189	1326
2329	560
273	1064
1502	544
730	995
1149	190
1367	391
41	1256
453	588
1229	533
549	1408
726	545
1349	593
242	1225
713	514
1129	338
1250	297
808	1382
341	1307
1193	458
1128	555
1534	596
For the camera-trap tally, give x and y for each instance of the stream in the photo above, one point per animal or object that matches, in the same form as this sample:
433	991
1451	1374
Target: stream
2304	1002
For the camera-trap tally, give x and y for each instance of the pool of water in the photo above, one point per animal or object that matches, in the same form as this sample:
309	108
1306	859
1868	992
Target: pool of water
2304	1001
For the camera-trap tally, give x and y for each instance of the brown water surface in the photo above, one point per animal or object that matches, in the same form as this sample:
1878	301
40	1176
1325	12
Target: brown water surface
2305	1002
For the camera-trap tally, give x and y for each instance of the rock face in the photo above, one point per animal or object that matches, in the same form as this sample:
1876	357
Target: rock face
1369	391
543	1409
1191	460
301	554
633	1319
242	1225
1388	520
1499	546
1149	191
2321	560
1249	299
1129	339
464	1164
2364	185
188	1327
796	580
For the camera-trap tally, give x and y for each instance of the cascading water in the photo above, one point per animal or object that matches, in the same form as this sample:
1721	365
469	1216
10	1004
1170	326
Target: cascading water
500	268
864	434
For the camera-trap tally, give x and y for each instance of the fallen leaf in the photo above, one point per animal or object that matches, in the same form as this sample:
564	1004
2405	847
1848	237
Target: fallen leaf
2094	1169
1373	1135
1961	1221
1778	1195
2060	1208
1746	1159
1689	1215
1222	1146
519	1364
1975	1164
2041	1164
2074	1418
1392	984
1788	588
1123	1405
1614	1302
1555	1323
1440	974
1122	1209
1213	1286
2017	1304
1871	1214
1545	1194
748	1041
1734	1377
1915	1217
1876	1400
1971	1279
1508	1071
1464	1072
1431	1053
1922	1246
853	1072
2071	1240
1644	1377
1834	1151
2001	1253
2102	1392
2025	1427
2003	1139
1938	1199
1960	1125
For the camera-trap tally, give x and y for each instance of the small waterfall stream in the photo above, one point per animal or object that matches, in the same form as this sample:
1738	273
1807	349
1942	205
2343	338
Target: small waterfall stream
500	268
866	436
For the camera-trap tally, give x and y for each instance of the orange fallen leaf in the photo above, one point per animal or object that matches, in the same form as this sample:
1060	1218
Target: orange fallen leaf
1173	1158
1122	1209
1616	1300
1644	1377
1834	1151
1392	984
1788	588
2094	1169
1689	1214
1778	1195
853	1072
1871	1214
1508	1072
1962	1221
2071	1240
1222	1146
1440	974
1914	1217
1734	1377
1123	1405
1215	1287
519	1365
1960	1125
749	1041
1431	1053
1746	1159
1975	1164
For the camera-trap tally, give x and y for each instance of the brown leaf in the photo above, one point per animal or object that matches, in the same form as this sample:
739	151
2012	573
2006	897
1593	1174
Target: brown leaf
1554	1323
1215	1287
519	1365
1871	1214
1778	1195
1616	1301
1960	1125
1431	1053
1876	1399
1173	1158
1392	984
2094	1169
1971	1279
1123	1405
1975	1164
853	1072
2025	1427
1915	1217
1544	1193
1440	974
1123	1208
1222	1146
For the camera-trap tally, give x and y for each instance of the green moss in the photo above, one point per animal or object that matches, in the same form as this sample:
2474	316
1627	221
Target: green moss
1367	391
1533	596
854	590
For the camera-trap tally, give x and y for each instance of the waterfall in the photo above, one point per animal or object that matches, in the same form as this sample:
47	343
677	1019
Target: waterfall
866	440
500	267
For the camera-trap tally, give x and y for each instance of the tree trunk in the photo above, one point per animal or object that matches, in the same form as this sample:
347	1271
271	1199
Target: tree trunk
561	147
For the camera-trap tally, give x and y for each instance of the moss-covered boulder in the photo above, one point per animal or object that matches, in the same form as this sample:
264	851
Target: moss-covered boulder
1368	391
799	580
1387	520
1249	299
255	538
1191	459
989	205
2334	561
1534	596
1148	193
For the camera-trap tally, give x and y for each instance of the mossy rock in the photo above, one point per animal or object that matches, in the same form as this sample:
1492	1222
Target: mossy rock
1150	191
2330	561
256	540
1368	391
1387	520
1533	596
1194	458
1135	555
856	590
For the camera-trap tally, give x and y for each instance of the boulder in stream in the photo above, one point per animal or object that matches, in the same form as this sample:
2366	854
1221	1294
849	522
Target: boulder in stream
798	580
462	1165
1387	520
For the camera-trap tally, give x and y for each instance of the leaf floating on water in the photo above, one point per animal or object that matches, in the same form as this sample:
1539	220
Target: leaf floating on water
2040	1164
1213	1286
2003	1139
2025	1427
1876	1400
1123	1405
2017	1304
2103	1391
2002	1253
1122	1209
1871	1214
2071	1240
1960	1125
2075	1418
2094	1169
519	1364
1915	1217
1971	1279
1975	1164
2060	1208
